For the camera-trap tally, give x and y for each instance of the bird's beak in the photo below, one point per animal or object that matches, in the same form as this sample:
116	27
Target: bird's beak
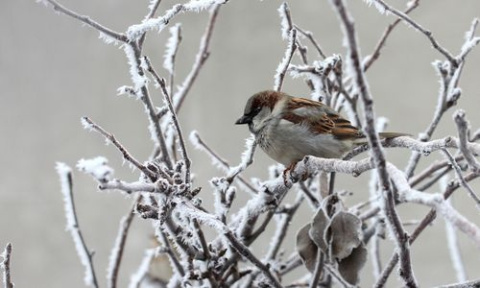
244	120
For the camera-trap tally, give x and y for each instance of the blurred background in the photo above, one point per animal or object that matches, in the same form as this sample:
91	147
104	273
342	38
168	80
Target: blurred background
54	70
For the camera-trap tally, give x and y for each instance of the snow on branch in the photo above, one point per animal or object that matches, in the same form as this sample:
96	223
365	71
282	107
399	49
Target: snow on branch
5	266
86	256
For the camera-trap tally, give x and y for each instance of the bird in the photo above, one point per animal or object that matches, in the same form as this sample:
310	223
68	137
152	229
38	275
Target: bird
289	128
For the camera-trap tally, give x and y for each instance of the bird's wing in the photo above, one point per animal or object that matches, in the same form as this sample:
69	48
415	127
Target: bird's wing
321	118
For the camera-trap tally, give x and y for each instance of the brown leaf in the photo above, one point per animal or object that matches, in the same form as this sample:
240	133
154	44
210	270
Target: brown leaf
346	234
350	266
306	248
318	228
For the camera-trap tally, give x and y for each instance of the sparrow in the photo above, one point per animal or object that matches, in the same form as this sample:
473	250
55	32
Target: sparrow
289	128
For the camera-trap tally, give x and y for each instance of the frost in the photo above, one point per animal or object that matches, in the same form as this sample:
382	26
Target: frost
136	31
108	39
199	5
86	125
137	277
138	80
285	24
65	173
171	47
97	168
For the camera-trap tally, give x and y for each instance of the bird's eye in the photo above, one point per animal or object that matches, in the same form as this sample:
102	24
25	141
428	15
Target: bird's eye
256	110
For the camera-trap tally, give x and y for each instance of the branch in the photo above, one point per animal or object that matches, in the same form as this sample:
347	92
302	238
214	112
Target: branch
119	246
200	59
85	19
86	257
370	59
173	114
283	66
89	124
417	26
5	266
462	127
245	252
460	177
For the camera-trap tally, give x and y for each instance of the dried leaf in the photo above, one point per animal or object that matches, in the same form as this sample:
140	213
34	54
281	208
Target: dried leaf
350	266
318	228
306	248
346	234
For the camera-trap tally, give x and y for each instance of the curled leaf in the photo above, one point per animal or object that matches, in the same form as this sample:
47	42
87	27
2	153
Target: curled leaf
306	248
318	228
350	266
346	234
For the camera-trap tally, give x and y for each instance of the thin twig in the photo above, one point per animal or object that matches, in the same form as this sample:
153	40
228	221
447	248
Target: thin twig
462	127
417	26
89	124
283	66
427	220
5	266
309	36
245	252
202	145
86	256
200	59
153	9
460	177
85	19
118	248
134	56
370	59
173	114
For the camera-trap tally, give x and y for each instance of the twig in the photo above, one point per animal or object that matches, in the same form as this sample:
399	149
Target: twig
129	187
89	124
468	284
455	253
370	59
310	37
202	56
283	66
282	226
427	220
318	270
119	246
5	266
245	252
85	19
417	26
171	54
171	255
86	257
173	114
462	127
460	177
203	146
401	237
153	7
133	53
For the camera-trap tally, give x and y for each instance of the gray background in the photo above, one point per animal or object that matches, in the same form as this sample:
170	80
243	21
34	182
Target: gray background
54	70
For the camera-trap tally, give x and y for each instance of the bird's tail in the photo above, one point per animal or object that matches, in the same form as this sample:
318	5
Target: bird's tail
383	135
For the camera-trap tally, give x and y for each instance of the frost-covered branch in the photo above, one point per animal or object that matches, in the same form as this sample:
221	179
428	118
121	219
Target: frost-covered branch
382	6
283	66
86	256
370	59
200	59
87	20
90	125
119	246
5	266
462	127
